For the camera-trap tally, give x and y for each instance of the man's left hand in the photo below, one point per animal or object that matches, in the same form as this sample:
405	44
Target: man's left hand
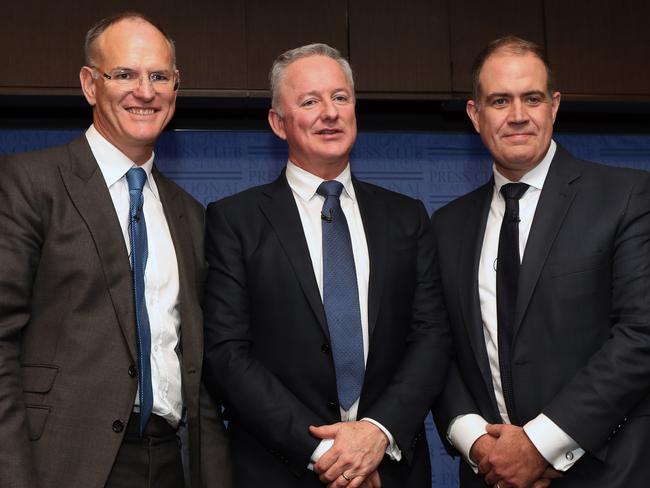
514	461
358	449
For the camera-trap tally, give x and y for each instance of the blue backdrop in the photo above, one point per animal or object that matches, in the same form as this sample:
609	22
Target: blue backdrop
432	167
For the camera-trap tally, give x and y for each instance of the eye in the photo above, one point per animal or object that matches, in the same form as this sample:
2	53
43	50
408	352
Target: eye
534	99
159	77
310	102
124	75
341	98
499	102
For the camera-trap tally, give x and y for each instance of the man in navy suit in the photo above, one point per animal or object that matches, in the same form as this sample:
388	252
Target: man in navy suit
271	352
545	272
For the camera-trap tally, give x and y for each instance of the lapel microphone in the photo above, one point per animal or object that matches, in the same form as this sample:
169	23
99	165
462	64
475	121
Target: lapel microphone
326	218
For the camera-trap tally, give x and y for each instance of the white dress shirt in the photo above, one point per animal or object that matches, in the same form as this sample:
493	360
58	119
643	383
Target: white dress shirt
557	447
303	186
161	274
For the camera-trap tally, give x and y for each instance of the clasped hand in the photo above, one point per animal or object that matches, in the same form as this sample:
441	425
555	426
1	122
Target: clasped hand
353	459
508	459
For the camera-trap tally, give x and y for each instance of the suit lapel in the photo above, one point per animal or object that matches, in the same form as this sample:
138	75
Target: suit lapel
554	202
373	213
281	212
87	190
472	244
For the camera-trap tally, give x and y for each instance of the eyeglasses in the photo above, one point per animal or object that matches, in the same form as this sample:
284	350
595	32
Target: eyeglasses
128	79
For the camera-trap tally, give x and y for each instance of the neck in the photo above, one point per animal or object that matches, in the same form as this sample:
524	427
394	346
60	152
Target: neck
326	171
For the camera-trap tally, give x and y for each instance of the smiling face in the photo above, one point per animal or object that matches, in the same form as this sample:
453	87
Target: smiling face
318	119
515	113
130	118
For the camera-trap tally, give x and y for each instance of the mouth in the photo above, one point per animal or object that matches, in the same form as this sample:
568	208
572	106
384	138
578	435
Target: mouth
329	132
519	136
141	110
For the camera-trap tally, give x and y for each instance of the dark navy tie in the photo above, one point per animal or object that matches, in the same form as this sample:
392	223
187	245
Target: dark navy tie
136	178
341	297
508	264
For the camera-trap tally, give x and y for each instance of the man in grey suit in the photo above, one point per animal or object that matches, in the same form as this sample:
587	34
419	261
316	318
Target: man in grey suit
545	273
101	274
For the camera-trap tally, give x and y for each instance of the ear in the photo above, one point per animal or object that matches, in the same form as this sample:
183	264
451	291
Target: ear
277	124
555	103
472	112
88	84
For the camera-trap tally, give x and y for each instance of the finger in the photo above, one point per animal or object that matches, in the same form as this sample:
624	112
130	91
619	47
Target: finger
324	431
371	481
494	430
358	481
339	482
551	474
336	471
326	461
541	483
484	466
491	478
375	480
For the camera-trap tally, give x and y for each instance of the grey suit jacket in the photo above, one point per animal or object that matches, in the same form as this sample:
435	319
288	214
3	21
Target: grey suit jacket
67	324
581	347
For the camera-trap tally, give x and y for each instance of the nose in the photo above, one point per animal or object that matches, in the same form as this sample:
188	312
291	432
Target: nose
518	114
330	110
144	89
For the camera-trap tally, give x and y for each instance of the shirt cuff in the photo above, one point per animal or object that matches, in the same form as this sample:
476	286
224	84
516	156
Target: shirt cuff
321	449
555	445
463	432
392	450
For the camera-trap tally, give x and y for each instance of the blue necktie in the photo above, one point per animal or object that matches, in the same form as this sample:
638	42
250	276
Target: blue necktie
136	178
341	297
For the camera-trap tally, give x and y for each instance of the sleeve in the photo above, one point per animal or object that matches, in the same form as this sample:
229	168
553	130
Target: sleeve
555	445
232	373
617	376
20	243
404	403
216	464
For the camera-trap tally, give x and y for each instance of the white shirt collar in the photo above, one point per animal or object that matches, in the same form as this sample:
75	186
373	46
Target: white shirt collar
113	163
535	177
305	184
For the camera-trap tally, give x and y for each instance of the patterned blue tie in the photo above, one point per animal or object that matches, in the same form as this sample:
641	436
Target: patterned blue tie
136	178
341	296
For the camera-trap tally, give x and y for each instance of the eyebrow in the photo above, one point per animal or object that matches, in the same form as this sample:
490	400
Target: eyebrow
126	68
510	95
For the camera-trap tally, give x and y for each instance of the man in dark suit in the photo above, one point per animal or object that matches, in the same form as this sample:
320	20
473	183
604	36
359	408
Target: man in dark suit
326	361
80	332
545	273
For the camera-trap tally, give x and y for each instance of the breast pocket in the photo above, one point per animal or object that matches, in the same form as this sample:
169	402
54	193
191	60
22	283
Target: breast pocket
582	281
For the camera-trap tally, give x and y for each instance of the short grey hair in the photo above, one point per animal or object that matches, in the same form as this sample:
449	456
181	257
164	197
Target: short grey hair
90	49
293	55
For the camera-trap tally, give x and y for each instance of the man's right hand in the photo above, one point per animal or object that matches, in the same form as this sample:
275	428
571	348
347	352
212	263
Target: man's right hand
484	444
481	448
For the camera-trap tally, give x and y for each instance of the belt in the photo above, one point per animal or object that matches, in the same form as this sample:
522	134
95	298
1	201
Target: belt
156	427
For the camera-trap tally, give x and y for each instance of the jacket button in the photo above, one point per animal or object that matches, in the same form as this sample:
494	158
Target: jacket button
325	349
332	405
132	371
118	426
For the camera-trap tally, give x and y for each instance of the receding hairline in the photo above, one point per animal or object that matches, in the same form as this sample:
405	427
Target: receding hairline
510	46
91	48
